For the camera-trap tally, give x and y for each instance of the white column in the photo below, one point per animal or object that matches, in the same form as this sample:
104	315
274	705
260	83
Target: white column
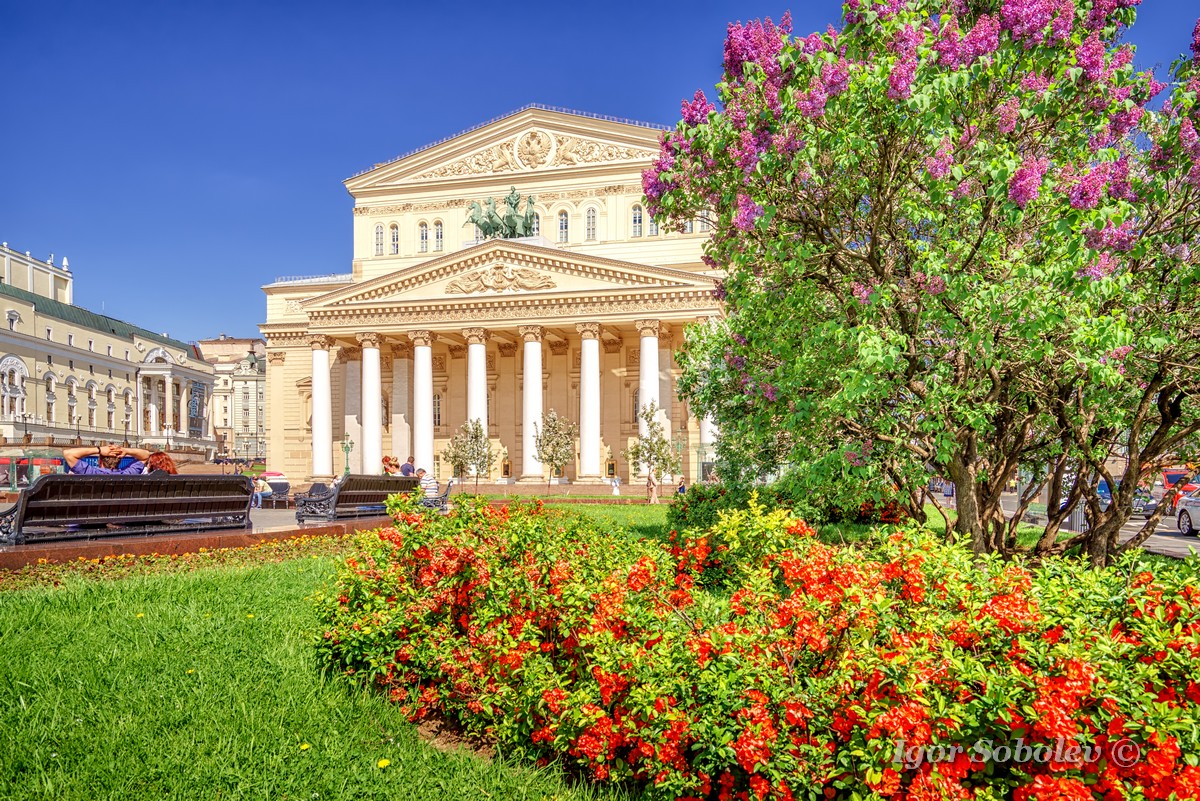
477	376
401	409
531	404
139	425
422	398
372	405
648	368
351	358
183	430
589	400
322	409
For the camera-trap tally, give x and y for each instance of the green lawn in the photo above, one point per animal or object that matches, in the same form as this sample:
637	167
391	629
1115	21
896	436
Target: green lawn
201	684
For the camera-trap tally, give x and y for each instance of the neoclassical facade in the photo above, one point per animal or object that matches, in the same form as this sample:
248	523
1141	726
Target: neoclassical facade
433	326
69	374
239	395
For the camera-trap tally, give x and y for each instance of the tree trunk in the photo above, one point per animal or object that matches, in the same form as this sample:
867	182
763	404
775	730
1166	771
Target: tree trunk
969	523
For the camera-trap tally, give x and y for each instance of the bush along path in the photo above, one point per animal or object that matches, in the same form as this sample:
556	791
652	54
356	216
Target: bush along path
753	661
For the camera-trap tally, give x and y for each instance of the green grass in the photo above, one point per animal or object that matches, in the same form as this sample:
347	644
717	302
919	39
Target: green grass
640	520
202	684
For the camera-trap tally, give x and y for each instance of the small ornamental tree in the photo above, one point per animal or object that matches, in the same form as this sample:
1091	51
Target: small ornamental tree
554	442
470	450
956	239
653	450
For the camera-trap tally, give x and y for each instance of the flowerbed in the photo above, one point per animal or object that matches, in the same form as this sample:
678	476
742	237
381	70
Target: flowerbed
753	661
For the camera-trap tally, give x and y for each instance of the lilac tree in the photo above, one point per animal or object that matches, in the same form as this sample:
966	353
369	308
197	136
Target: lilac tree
957	239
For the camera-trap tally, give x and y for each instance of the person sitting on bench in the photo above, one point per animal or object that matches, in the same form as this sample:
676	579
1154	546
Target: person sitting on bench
108	459
429	484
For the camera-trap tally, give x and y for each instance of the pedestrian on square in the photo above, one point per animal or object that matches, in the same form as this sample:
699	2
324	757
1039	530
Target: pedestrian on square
682	488
409	468
108	460
651	488
261	490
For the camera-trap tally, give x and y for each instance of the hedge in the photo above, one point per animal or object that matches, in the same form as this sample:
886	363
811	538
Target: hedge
754	661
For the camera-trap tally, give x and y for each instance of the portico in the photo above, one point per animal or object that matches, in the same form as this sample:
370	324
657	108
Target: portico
398	354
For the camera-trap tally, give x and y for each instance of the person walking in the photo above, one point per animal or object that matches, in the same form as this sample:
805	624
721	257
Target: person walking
651	488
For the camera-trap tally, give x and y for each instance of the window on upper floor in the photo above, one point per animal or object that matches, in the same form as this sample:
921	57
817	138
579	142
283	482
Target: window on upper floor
49	333
70	340
91	344
703	224
636	228
379	240
395	230
564	227
589	227
537	225
423	238
687	226
653	226
110	350
437	410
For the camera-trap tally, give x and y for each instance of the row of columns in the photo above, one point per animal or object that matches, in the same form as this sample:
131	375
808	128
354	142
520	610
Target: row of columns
422	394
153	400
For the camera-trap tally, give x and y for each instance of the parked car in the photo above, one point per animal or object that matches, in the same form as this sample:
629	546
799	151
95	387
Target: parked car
1188	513
1172	493
1144	503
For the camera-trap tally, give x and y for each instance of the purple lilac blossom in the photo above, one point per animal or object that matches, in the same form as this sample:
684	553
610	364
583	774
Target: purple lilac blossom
748	212
697	110
938	165
1028	20
1008	114
1090	57
1104	266
1026	182
1089	188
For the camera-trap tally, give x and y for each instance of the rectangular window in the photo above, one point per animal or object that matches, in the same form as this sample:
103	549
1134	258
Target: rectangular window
71	340
49	359
70	364
91	344
110	350
126	355
49	333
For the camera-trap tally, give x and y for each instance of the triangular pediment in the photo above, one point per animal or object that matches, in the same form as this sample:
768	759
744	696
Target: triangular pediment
533	140
503	269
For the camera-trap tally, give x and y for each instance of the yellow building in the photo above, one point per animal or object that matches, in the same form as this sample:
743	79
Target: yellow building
432	326
68	374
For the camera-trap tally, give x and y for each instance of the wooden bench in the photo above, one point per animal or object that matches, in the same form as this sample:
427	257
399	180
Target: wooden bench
75	507
356	496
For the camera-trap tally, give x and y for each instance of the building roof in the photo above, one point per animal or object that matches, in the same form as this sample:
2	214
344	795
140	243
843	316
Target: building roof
89	319
538	106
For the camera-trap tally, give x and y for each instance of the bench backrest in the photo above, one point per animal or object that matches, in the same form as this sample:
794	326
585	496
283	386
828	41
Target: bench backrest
65	499
366	490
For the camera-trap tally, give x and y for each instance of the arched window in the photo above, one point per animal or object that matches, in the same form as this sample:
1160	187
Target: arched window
590	225
379	240
111	406
395	230
636	229
438	236
91	412
423	237
564	226
537	225
437	410
653	227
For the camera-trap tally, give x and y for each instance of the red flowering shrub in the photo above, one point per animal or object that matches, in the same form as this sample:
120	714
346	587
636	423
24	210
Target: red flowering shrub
896	670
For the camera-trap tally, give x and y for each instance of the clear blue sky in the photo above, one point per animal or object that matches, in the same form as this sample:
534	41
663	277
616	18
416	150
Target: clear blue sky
182	154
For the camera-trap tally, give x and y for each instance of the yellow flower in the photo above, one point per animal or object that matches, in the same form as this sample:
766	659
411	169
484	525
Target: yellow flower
304	746
190	672
249	615
139	614
383	763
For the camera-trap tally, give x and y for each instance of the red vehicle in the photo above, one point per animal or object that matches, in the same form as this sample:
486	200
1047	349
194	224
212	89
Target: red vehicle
1172	492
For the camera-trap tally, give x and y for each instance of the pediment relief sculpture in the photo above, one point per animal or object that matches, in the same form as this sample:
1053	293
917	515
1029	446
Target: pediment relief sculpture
534	149
500	278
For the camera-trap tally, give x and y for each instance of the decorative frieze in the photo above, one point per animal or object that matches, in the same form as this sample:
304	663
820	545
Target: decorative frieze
499	278
612	345
558	347
458	351
633	357
491	362
349	353
402	351
439	364
507	348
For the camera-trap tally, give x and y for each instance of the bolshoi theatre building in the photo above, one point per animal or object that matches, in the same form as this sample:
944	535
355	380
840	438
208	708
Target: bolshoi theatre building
435	325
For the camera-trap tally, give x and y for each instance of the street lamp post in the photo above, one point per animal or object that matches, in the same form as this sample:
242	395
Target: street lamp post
347	446
125	442
25	424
